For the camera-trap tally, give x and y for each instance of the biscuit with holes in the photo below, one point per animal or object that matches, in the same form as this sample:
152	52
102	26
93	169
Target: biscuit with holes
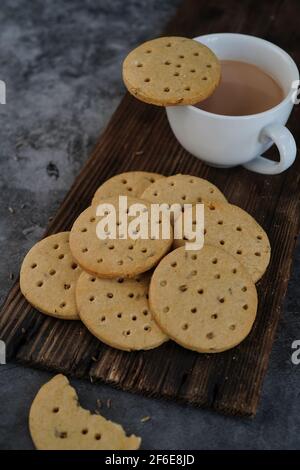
58	422
205	300
182	189
132	183
117	312
233	229
118	256
170	71
48	277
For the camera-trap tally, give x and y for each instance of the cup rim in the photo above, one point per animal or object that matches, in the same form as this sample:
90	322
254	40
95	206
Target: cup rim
248	116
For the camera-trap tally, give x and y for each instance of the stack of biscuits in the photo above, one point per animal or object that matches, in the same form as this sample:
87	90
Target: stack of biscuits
135	293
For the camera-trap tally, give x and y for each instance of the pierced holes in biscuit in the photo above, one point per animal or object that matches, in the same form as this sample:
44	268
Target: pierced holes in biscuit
145	312
199	199
56	246
130	247
67	286
178	66
194	257
126	332
192	70
167	62
144	250
185	326
211	207
34	265
147	328
208	66
84	250
181	56
111	247
92	219
147	80
52	272
92	279
222	242
232	327
134	318
221	300
130	188
245	307
210	335
84	229
84	431
214	260
166	89
193	273
62	305
220	222
214	316
131	295
239	252
204	78
120	262
166	309
148	51
200	291
139	64
196	54
183	197
194	310
74	265
168	44
217	276
259	237
238	228
119	315
244	289
61	256
39	283
174	264
97	436
234	271
63	435
55	409
109	295
257	253
183	288
124	181
187	88
91	298
103	318
176	74
163	283
99	260
120	280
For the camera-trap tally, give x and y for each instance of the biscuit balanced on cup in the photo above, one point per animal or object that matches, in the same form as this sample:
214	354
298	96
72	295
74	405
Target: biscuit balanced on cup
171	71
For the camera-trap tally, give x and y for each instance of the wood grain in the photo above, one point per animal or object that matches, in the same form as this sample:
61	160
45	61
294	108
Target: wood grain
138	138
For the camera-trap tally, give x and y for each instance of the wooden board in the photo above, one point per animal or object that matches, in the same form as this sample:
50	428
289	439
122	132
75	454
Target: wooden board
138	137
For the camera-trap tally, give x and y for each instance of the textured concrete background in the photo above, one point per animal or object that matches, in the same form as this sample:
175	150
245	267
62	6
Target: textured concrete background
61	63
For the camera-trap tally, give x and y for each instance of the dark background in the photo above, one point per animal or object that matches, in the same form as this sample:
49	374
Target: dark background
61	64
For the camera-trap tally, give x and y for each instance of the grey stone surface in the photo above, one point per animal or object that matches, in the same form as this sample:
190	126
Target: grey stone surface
61	63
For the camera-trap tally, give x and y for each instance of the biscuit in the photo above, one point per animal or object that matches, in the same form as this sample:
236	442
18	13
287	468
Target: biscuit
48	277
204	300
182	189
57	422
235	231
171	70
116	257
132	183
117	312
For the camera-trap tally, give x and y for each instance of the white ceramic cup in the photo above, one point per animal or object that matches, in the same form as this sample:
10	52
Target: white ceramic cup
226	141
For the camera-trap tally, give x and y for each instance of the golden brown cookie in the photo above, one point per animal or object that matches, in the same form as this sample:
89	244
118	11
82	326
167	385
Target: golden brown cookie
204	300
182	189
233	229
116	257
132	183
171	70
48	277
117	312
57	422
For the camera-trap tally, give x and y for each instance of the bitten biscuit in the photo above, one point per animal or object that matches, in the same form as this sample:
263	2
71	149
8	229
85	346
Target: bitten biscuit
57	422
170	71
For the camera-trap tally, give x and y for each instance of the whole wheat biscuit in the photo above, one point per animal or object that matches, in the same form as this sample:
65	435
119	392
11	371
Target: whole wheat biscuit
117	312
132	183
57	422
48	277
233	229
119	257
204	300
170	71
182	189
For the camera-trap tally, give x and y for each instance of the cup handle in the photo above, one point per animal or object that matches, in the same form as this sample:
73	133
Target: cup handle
286	145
